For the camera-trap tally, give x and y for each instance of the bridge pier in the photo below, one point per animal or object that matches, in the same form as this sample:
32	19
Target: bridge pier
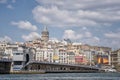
5	67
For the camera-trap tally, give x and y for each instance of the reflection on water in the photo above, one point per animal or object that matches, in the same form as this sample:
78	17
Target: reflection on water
62	76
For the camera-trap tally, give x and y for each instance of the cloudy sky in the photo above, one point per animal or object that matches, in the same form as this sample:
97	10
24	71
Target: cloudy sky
94	22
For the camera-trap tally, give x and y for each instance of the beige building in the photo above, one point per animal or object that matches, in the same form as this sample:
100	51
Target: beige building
70	58
115	57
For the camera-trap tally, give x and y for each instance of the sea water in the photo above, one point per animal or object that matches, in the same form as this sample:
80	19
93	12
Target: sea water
62	76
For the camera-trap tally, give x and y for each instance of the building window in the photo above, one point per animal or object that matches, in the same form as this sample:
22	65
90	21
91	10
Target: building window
17	53
17	63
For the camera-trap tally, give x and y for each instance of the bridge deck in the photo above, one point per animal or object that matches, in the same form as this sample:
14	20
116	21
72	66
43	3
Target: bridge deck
58	67
5	60
61	64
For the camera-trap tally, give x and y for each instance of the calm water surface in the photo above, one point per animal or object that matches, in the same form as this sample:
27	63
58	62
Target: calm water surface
62	76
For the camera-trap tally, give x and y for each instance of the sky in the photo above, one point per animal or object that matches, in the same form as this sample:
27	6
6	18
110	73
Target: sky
93	22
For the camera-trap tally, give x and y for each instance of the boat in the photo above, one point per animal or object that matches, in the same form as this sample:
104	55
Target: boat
110	70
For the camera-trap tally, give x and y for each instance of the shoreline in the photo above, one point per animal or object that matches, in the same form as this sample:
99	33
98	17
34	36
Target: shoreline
44	72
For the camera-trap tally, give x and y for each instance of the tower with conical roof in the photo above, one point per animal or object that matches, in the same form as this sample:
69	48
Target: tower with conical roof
45	34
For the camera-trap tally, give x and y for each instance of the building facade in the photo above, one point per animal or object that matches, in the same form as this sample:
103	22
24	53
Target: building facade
115	57
19	58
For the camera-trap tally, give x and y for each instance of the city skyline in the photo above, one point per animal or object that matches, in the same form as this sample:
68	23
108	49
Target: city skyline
90	22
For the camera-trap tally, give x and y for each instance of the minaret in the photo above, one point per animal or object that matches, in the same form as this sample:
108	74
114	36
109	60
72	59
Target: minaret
45	35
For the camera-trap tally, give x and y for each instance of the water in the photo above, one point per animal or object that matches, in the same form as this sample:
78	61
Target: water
62	76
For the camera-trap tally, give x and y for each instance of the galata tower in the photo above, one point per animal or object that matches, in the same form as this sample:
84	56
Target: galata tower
45	35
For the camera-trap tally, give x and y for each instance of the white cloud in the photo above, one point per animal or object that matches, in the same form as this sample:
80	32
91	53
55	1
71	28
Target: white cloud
25	25
54	16
113	35
115	44
91	40
110	42
6	1
88	34
112	39
9	6
77	12
81	4
31	36
70	34
6	39
3	1
96	39
85	37
84	28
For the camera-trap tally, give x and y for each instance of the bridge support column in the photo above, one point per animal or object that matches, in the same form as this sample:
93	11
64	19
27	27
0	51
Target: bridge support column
5	67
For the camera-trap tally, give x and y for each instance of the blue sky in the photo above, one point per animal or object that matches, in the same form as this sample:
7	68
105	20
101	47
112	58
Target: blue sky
87	21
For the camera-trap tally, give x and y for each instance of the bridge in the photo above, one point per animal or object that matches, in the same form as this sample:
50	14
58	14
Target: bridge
57	67
5	65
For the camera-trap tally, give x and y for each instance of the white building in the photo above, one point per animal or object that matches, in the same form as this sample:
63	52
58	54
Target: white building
44	54
62	56
18	58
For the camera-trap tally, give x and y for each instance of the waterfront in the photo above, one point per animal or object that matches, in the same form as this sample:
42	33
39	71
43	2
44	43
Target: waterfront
62	76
